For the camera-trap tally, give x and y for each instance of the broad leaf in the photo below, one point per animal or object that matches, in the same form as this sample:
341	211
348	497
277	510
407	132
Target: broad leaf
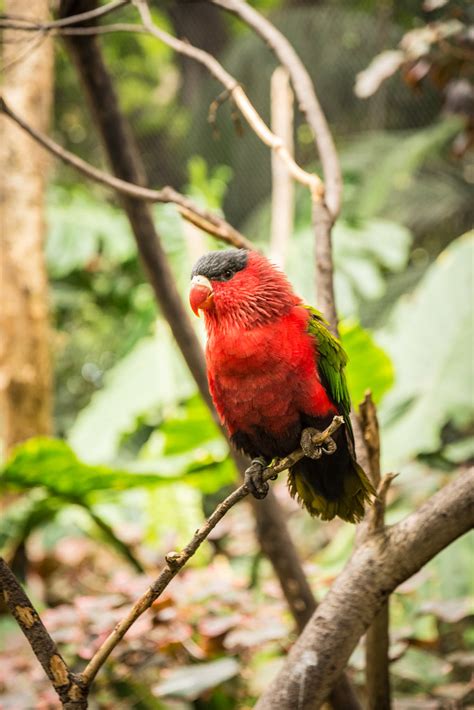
368	367
51	464
430	342
151	377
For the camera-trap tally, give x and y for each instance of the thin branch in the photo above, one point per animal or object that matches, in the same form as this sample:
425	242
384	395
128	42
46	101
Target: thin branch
176	561
371	433
204	219
67	685
305	94
283	192
377	639
11	24
27	23
311	181
374	571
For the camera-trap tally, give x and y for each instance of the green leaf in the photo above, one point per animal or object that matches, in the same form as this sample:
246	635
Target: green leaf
52	464
391	160
368	367
190	428
152	376
21	519
80	229
430	342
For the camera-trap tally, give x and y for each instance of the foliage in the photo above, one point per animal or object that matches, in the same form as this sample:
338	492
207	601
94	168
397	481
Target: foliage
429	339
144	461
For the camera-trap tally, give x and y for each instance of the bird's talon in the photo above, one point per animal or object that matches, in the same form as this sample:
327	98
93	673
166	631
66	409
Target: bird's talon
330	446
253	478
315	451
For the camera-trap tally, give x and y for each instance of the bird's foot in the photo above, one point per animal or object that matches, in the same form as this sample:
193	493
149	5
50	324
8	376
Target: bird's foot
313	450
253	478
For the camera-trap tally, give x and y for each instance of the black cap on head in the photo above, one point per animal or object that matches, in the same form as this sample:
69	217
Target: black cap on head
221	265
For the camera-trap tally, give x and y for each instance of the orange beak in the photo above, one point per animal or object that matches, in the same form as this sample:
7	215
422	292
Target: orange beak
201	294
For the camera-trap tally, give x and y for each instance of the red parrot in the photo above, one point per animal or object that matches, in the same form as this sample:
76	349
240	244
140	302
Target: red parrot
274	369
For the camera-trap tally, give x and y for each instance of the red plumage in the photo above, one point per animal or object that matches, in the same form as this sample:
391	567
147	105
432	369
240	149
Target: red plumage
264	373
261	360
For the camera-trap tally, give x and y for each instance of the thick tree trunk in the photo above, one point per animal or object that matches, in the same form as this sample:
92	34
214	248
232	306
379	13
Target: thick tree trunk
25	368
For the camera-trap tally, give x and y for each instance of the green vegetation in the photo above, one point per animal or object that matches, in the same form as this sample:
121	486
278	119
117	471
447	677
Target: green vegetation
137	461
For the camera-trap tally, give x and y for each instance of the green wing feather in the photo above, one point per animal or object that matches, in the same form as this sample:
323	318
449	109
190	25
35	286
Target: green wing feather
356	487
331	362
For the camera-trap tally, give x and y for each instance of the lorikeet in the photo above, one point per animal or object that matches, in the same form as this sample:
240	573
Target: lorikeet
274	369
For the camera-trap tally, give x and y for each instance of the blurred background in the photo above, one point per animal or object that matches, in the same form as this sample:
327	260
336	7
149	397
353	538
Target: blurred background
135	462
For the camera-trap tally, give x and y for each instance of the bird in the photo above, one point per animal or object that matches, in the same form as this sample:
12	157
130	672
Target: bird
275	371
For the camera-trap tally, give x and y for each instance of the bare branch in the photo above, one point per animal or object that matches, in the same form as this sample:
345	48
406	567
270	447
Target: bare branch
204	219
377	640
66	684
28	23
8	23
371	433
376	568
311	181
176	561
283	192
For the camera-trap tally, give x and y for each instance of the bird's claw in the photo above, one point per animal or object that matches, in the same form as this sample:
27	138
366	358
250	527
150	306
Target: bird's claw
253	478
315	451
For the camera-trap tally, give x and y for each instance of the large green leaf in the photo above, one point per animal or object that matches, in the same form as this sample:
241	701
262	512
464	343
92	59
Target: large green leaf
151	377
386	161
52	464
368	367
430	341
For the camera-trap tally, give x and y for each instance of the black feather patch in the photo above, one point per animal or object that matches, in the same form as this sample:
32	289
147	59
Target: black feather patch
221	265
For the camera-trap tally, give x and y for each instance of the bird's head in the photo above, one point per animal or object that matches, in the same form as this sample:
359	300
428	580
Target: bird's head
239	286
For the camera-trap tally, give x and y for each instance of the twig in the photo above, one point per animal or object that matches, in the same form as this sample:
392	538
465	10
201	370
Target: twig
311	181
377	639
175	561
376	568
283	193
63	30
27	23
204	219
371	433
67	685
376	516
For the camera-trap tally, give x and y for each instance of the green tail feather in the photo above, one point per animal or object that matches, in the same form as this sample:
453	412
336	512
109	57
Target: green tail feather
350	504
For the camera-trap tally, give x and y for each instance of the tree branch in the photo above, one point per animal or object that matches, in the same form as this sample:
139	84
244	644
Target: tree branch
309	180
204	219
377	639
324	211
67	685
305	94
27	23
176	561
376	568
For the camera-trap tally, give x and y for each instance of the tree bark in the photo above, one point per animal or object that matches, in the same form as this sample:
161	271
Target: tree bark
376	568
25	365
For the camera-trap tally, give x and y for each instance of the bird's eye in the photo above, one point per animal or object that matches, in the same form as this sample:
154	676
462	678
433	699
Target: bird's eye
227	274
